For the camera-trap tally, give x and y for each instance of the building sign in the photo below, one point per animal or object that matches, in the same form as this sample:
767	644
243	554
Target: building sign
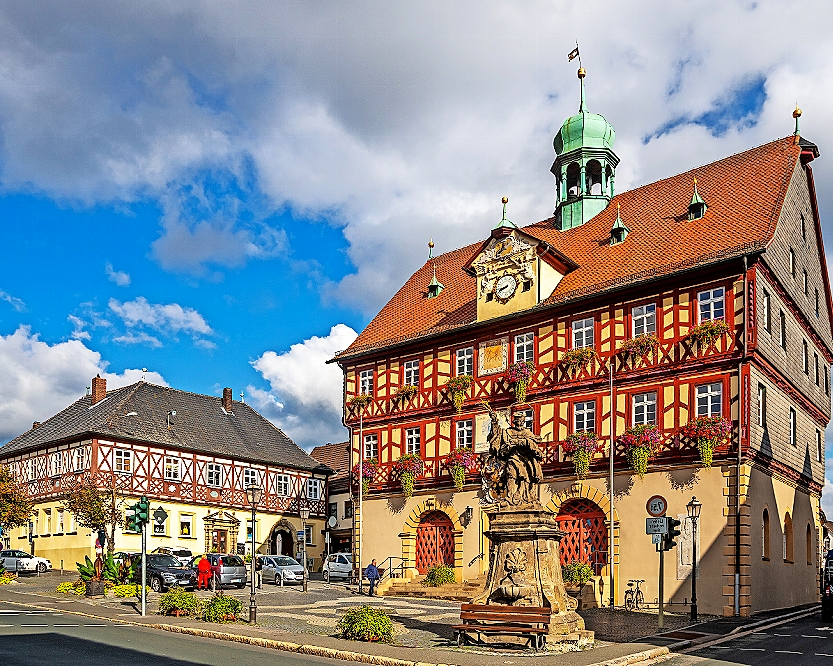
159	518
685	543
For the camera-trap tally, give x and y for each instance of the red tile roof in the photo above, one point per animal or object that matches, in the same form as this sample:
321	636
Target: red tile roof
744	194
335	456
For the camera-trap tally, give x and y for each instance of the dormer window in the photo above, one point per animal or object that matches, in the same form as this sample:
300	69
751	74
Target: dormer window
697	207
620	231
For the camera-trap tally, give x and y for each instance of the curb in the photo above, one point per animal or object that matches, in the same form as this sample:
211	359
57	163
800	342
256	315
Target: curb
761	623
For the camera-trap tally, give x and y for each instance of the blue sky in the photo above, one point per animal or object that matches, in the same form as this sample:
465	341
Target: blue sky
225	194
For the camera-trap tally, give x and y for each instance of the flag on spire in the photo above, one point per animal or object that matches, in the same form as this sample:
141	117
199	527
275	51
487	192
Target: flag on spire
572	55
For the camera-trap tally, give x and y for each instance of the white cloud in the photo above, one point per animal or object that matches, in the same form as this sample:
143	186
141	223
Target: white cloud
121	278
168	319
305	395
41	379
15	302
78	328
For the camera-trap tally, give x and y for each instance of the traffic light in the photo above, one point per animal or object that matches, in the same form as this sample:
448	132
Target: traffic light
669	540
143	510
132	523
102	538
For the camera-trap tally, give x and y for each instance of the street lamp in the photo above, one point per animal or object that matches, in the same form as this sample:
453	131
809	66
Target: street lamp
693	508
304	512
253	494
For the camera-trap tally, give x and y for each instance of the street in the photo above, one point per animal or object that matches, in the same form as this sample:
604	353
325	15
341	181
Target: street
806	640
32	638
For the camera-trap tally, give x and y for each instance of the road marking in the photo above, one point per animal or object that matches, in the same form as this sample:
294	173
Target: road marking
6	625
783	635
752	649
787	652
806	636
34	625
822	654
96	625
64	625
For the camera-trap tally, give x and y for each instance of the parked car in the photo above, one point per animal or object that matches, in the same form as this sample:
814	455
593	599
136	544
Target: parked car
826	589
337	565
226	569
182	554
19	560
165	571
277	568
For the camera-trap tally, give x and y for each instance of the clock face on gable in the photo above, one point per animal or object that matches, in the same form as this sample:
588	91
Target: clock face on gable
505	287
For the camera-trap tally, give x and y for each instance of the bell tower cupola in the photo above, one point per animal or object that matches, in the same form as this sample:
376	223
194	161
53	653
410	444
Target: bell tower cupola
584	167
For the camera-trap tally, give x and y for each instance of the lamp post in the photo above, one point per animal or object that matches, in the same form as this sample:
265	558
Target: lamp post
693	508
253	494
304	512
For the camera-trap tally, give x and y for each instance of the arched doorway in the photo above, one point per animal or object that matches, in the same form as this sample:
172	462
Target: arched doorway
585	539
282	539
434	541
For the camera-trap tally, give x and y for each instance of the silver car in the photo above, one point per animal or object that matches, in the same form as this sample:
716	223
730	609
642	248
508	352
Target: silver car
338	565
19	560
225	569
277	568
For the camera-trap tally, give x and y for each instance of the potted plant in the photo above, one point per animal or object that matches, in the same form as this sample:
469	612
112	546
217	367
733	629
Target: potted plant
640	442
369	469
707	432
577	359
405	392
640	345
408	468
458	386
359	402
705	333
577	574
365	623
222	608
519	375
458	462
582	445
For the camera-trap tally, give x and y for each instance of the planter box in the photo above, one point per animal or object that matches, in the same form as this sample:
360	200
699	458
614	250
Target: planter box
95	588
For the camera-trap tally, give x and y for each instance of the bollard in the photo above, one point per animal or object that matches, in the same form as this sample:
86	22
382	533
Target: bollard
62	567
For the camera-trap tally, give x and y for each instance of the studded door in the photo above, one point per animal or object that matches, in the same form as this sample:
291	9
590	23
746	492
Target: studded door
585	540
434	541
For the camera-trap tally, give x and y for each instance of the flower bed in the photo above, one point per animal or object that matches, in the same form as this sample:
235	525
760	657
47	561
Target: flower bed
641	442
582	446
408	468
459	386
519	375
707	432
458	462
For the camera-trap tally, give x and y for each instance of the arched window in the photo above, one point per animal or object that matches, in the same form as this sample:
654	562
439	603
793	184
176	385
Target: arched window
788	538
593	175
809	544
585	539
765	534
573	174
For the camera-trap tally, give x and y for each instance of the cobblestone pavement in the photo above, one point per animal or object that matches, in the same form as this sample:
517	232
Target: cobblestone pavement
418	622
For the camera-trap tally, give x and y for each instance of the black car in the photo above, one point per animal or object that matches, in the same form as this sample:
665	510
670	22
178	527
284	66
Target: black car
165	571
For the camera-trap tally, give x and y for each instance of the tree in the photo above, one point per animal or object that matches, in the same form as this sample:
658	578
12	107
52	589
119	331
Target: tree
15	505
95	508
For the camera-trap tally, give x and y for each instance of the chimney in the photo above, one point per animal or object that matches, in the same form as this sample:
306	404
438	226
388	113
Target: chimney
35	424
227	399
99	390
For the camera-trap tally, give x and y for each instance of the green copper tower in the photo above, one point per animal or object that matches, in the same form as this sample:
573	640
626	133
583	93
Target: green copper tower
584	167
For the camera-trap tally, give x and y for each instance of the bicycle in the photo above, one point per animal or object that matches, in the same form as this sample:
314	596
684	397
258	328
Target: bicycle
634	600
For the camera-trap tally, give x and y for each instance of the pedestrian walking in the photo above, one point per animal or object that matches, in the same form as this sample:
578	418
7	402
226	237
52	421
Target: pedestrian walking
372	575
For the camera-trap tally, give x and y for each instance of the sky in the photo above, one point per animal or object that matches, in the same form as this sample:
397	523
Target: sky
225	193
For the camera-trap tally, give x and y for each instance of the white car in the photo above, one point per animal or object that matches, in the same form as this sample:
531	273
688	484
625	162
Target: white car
20	561
337	565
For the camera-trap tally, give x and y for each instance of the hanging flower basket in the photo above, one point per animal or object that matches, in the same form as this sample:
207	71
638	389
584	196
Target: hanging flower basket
708	331
640	345
360	401
582	446
707	432
405	392
519	375
458	462
369	469
459	386
641	442
408	468
577	359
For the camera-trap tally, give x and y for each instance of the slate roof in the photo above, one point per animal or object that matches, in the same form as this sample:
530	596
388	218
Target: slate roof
744	194
138	412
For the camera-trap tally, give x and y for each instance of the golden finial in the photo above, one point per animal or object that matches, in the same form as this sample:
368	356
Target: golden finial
505	200
797	112
431	249
695	181
581	72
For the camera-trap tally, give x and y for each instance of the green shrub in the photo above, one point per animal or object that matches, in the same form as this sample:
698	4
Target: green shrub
79	588
439	574
577	573
222	608
366	624
177	599
7	577
129	590
65	588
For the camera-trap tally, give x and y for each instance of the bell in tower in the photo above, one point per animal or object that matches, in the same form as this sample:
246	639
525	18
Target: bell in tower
584	167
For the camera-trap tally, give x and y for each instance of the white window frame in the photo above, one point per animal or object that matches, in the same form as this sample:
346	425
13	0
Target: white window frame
709	399
282	485
366	382
59	523
413	441
313	489
410	373
79	458
464	432
584	415
582	331
173	468
55	464
711	305
308	534
186	518
642	404
371	446
529	417
250	477
761	404
644	319
126	465
525	347
214	475
465	361
793	427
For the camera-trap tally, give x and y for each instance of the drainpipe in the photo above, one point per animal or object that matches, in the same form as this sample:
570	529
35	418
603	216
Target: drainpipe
610	546
741	410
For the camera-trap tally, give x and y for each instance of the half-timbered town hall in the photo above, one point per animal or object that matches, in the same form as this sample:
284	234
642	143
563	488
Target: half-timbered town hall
192	455
678	335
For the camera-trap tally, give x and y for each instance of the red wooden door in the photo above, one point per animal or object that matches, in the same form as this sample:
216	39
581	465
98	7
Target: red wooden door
434	541
585	525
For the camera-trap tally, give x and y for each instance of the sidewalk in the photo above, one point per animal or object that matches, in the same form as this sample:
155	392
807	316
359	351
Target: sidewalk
293	632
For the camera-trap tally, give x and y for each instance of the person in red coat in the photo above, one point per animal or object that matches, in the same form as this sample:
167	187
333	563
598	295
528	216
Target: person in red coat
203	573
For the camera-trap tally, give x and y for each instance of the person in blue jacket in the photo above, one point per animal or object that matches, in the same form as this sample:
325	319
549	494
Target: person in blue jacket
372	574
